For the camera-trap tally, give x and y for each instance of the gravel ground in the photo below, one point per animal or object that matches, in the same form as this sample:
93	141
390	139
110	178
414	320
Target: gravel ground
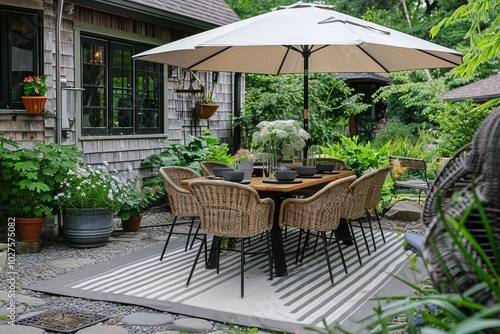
32	268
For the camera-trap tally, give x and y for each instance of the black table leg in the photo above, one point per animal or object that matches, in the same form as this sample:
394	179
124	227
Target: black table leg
277	237
212	259
343	232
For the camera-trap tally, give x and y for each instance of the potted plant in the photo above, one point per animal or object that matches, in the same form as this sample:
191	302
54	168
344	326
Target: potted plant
89	198
137	200
244	162
279	139
207	107
28	182
35	90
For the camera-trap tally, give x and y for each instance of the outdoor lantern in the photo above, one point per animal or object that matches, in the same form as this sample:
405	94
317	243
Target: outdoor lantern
71	99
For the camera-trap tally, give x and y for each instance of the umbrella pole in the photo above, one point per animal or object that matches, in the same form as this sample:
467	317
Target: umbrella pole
306	53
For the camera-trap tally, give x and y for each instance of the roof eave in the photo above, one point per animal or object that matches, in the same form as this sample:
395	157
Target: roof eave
148	14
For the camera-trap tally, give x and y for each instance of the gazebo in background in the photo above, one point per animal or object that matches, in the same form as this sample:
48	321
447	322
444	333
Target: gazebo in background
363	124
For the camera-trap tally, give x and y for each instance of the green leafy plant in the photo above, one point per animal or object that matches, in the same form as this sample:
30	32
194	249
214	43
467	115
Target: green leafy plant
35	86
457	122
201	148
137	199
358	157
93	188
29	178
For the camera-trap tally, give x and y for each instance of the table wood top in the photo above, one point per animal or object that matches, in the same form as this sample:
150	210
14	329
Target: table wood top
258	183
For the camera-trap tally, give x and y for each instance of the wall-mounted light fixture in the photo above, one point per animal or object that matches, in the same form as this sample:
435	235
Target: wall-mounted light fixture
71	99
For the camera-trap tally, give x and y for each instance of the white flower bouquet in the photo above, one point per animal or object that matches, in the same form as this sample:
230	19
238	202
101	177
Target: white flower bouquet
286	136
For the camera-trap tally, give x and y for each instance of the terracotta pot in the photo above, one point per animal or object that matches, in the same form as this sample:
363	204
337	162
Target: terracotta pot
34	104
205	111
28	229
132	224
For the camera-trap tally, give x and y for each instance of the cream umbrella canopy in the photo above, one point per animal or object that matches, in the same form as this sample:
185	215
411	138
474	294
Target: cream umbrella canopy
303	38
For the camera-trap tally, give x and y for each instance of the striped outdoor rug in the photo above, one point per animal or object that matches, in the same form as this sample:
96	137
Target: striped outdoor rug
302	299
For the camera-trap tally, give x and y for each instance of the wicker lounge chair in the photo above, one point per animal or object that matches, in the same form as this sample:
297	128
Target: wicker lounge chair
232	210
473	169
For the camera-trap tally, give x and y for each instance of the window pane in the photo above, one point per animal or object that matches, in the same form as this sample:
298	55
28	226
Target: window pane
94	115
22	46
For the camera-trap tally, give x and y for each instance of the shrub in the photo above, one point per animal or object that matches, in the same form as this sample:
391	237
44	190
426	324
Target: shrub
202	148
358	157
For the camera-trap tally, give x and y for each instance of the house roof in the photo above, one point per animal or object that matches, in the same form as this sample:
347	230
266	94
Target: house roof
365	77
189	15
212	11
479	91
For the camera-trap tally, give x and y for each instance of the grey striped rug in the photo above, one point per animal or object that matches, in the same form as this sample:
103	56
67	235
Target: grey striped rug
302	299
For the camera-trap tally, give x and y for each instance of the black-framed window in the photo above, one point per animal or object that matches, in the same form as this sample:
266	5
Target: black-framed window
21	52
122	96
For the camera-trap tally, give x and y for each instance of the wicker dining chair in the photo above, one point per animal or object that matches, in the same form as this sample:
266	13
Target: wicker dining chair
337	163
373	198
320	213
470	175
355	206
181	201
235	211
207	167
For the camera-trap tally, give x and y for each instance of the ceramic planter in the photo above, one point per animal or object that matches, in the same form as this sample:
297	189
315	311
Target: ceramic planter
87	227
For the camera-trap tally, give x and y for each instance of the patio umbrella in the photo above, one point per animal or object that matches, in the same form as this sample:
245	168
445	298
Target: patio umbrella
303	38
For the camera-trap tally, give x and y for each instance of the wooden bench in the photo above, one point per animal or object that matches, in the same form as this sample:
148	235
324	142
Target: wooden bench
409	173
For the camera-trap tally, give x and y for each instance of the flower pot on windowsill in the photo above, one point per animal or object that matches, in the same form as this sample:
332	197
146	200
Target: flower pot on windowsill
34	104
205	110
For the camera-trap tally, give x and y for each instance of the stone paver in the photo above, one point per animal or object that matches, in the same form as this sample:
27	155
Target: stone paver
147	319
70	262
22	299
7	329
103	329
164	237
193	325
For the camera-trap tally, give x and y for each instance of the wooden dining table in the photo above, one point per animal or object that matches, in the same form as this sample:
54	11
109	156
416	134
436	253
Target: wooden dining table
276	190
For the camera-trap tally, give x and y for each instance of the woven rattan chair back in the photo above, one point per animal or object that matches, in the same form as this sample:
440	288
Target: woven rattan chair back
378	180
207	167
354	208
358	195
474	166
232	210
337	163
321	212
182	202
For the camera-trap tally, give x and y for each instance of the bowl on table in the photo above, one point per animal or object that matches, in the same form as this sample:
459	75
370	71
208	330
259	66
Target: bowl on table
321	168
285	175
233	175
306	170
218	170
